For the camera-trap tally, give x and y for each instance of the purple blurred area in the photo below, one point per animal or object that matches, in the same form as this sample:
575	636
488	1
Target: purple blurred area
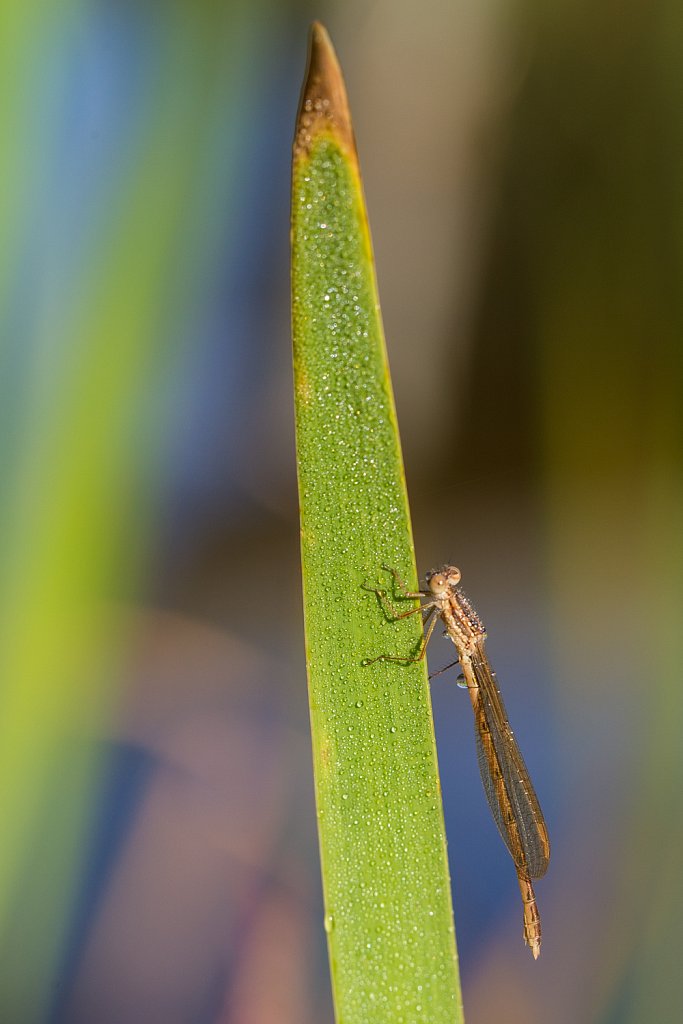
522	173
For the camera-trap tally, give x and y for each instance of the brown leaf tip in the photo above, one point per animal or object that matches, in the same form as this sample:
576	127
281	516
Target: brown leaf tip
324	105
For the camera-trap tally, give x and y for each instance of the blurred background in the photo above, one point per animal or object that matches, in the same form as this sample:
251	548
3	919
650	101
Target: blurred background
524	174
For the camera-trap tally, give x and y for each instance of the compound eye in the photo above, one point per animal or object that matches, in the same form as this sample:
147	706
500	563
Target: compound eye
438	583
454	576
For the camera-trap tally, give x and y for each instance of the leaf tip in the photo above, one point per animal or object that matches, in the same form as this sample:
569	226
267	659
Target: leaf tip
324	105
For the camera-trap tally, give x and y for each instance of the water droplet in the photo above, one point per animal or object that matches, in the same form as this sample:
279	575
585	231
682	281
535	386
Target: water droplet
359	703
328	923
393	729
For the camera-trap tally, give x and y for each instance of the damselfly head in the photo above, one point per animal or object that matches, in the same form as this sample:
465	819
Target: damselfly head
443	580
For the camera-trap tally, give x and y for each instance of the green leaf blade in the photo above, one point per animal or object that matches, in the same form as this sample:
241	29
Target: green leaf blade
385	873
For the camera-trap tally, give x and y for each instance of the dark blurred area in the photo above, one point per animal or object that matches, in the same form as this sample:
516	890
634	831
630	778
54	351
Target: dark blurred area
523	176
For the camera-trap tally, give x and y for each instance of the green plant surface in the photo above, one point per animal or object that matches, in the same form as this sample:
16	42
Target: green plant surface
388	912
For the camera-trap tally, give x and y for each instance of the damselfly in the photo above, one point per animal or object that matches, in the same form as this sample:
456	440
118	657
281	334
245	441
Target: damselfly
508	788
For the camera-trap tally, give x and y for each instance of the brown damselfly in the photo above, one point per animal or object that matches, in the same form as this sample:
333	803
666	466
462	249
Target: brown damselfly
508	788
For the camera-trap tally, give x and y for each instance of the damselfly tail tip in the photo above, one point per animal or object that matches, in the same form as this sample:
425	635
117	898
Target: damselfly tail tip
532	920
